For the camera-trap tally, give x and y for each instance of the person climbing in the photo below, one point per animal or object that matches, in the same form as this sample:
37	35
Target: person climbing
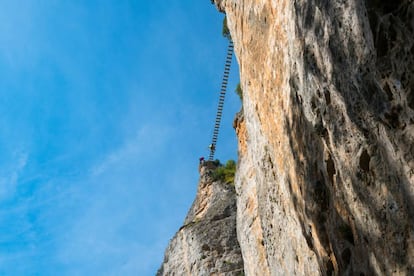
201	160
211	147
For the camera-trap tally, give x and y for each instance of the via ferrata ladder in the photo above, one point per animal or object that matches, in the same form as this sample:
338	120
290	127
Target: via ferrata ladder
221	100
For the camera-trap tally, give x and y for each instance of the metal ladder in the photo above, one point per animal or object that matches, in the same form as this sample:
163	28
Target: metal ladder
221	100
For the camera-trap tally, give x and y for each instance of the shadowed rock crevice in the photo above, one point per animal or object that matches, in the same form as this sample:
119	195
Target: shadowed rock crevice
374	175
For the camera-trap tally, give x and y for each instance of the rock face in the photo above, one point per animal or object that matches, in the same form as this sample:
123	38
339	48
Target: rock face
325	180
207	242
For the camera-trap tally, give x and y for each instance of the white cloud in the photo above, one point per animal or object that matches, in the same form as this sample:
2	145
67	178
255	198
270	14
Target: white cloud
148	142
10	177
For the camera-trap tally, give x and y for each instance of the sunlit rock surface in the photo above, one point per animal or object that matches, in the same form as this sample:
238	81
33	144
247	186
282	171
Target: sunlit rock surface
207	243
325	181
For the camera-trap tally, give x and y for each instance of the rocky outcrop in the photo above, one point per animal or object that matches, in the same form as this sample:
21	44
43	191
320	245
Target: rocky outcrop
325	179
207	242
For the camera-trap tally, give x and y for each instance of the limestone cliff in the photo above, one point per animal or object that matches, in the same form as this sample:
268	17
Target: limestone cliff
325	180
207	243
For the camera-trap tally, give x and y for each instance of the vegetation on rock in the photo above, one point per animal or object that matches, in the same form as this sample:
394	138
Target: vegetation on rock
225	173
225	30
239	91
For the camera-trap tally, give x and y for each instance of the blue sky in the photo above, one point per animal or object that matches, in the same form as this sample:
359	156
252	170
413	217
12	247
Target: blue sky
105	108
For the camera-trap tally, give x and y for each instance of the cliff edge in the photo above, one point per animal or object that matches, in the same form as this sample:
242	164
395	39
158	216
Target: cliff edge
325	177
207	242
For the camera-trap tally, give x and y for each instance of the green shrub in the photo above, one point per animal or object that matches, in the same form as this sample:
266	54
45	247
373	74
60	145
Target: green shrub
226	173
225	30
239	91
217	163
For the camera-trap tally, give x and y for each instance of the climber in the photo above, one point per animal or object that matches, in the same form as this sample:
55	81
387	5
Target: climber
201	160
211	147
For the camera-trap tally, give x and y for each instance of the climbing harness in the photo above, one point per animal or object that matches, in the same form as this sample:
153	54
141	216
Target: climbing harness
212	146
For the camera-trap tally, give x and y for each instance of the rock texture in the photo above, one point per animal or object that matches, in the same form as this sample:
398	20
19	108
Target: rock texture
207	243
325	181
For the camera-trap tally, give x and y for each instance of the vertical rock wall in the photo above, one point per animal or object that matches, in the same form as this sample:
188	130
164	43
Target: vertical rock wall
325	181
207	242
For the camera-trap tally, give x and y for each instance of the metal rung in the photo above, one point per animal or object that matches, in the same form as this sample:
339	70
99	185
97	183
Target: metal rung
227	66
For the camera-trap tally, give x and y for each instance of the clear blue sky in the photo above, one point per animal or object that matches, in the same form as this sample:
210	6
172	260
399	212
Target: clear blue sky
105	108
